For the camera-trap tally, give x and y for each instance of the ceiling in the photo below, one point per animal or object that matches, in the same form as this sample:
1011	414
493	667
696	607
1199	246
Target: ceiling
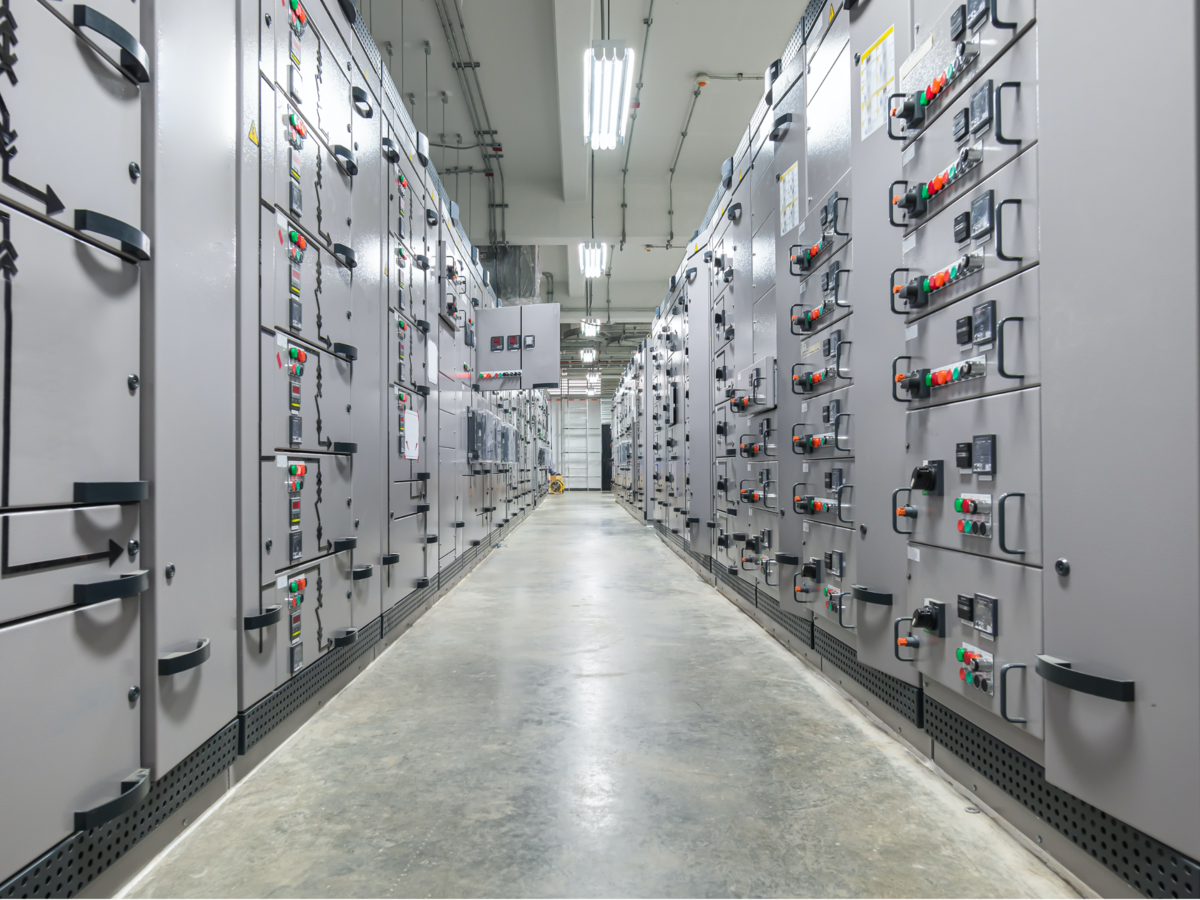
530	56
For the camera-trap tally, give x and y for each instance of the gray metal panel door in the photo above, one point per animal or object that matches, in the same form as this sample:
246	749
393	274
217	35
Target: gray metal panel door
305	291
829	130
46	553
1137	761
73	408
73	117
71	732
1014	593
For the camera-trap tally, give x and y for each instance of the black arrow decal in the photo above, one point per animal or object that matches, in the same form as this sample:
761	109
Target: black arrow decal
9	149
114	551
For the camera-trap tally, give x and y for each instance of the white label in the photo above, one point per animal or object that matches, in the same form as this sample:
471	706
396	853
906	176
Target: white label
916	56
804	467
985	477
914	554
877	80
803	287
910	333
280	340
909	244
431	361
412	434
281	461
804	406
909	152
806	526
789	199
281	220
281	582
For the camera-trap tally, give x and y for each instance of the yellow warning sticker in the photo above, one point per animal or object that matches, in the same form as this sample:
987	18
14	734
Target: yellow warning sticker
253	135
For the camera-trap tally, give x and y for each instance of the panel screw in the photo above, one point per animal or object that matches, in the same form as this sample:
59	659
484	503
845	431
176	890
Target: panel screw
356	145
268	19
133	547
857	58
862	529
135	171
1039	838
1062	567
134	693
133	381
347	501
269	543
347	221
170	571
356	523
349	594
347	314
347	407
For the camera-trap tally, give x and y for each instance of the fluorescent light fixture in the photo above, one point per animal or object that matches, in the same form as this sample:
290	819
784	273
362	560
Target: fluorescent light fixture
593	257
590	327
588	354
607	85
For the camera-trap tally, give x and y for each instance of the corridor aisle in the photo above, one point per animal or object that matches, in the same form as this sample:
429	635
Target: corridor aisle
583	716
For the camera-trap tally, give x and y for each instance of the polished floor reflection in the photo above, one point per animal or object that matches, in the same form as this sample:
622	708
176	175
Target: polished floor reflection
583	716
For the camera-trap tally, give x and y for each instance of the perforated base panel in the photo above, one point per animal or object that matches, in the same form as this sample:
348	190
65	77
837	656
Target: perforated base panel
285	699
745	589
793	625
395	616
903	698
66	868
1150	866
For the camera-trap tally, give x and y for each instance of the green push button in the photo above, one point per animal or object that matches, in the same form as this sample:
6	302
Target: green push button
958	509
958	654
970	678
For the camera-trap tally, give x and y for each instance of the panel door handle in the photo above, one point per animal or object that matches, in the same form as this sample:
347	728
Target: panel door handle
343	544
345	447
133	242
362	105
345	159
1001	517
347	350
866	595
111	491
390	559
1004	693
390	153
1004	373
1000	254
998	129
134	59
361	573
268	616
345	255
896	639
135	787
1059	671
181	661
114	589
345	637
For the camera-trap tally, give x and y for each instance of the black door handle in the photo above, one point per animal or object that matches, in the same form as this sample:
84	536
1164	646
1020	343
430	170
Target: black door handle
345	447
133	242
345	255
134	59
111	491
1059	671
342	544
134	789
390	559
866	595
1004	373
390	153
998	128
347	350
1001	517
1004	693
345	159
181	661
345	638
360	573
1000	254
126	586
269	616
362	105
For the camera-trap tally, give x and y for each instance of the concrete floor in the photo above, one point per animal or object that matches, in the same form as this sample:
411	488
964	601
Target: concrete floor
583	716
